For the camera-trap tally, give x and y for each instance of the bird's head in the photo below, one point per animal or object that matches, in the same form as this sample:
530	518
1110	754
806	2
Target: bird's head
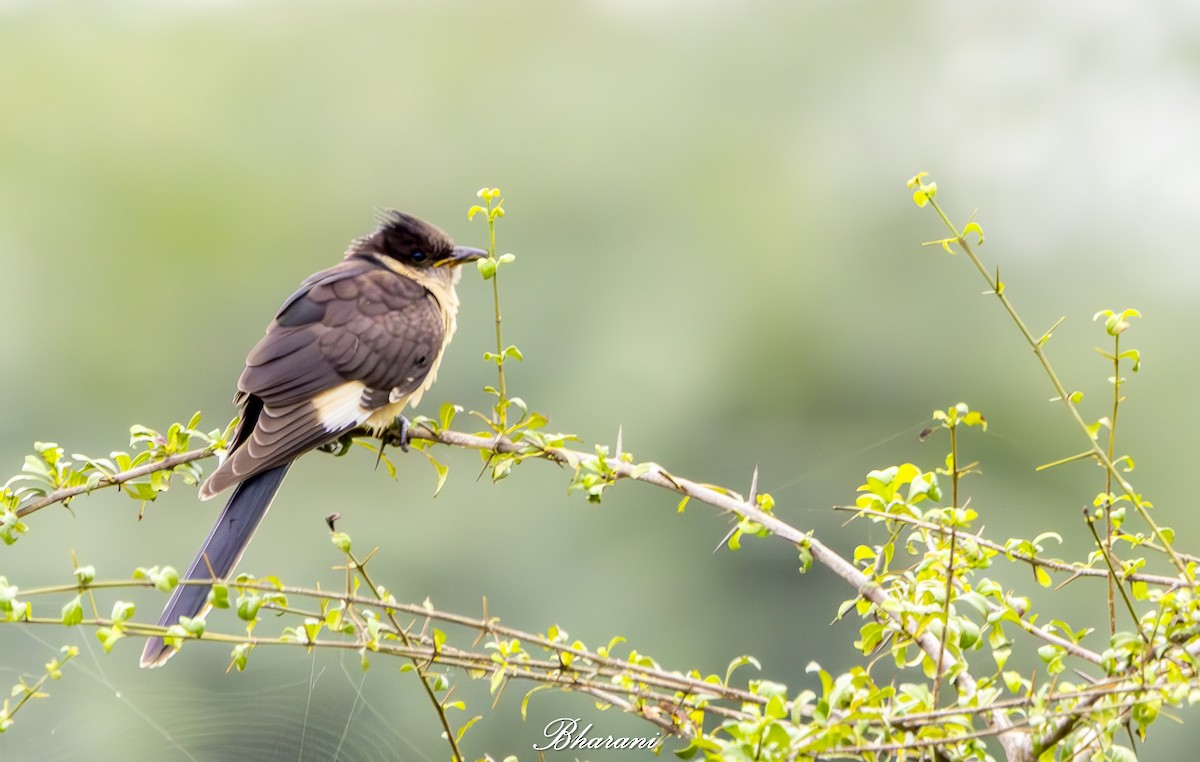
415	248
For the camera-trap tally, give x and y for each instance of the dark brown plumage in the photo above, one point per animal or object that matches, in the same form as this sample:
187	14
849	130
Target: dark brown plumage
356	321
350	349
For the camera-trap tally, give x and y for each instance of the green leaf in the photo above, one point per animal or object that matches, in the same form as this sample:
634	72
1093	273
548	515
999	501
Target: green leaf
741	661
192	626
462	731
806	558
1013	681
1135	356
975	418
497	680
969	635
108	637
487	268
1047	536
528	695
240	652
974	600
864	553
248	605
1050	653
1121	754
122	611
1000	655
1043	577
11	527
139	490
218	596
973	227
446	414
167	579
916	179
443	471
72	611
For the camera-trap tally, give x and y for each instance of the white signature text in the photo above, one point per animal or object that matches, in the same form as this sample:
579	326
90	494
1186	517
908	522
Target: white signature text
566	733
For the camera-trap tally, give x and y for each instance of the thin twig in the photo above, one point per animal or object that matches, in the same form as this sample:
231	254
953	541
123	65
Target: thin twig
1039	351
1112	570
1059	566
451	738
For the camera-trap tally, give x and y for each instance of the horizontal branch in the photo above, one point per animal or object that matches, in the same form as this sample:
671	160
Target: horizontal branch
1015	744
66	493
490	626
421	647
445	656
1074	569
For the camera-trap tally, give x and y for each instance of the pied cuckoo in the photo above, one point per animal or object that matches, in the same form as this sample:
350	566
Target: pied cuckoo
348	351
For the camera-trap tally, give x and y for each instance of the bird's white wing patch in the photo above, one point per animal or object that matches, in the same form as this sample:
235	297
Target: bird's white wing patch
340	408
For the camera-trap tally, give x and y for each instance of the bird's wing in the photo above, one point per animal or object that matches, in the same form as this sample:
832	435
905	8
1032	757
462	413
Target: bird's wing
353	338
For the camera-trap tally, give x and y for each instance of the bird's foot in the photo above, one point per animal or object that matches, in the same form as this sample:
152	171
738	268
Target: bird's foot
396	434
340	446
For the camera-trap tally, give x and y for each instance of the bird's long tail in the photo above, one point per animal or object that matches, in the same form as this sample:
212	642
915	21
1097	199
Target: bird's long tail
219	554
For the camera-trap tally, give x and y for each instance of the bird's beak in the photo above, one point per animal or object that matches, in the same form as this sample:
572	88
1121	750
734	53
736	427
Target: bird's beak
463	254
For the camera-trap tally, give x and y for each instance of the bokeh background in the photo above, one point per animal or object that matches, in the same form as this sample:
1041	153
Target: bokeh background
716	251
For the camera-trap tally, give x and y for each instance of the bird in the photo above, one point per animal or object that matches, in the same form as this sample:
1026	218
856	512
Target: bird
347	352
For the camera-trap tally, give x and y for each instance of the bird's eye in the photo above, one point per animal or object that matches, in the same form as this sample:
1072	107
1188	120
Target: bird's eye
417	257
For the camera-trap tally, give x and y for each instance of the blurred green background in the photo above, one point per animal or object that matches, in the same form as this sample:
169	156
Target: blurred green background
716	251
